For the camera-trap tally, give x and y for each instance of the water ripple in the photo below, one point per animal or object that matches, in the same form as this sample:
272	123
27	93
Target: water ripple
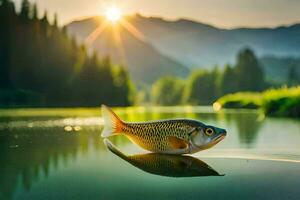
75	123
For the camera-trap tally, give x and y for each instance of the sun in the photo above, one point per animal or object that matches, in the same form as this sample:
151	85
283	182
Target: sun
113	14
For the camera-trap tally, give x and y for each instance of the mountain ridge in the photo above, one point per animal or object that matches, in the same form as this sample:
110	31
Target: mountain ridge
207	45
144	62
199	45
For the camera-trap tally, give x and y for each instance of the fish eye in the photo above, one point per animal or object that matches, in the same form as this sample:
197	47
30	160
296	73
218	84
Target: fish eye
209	131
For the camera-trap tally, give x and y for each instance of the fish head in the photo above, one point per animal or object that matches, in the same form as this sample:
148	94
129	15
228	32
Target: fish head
206	136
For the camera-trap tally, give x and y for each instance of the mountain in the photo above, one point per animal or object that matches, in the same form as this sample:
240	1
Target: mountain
200	45
278	70
144	62
167	44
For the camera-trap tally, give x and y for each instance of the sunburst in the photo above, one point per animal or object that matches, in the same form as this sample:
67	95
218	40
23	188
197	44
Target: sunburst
113	14
116	21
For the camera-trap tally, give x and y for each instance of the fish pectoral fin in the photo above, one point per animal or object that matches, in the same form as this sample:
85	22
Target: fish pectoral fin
177	143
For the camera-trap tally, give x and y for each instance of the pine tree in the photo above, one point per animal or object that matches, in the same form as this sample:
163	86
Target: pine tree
44	20
41	65
167	91
201	88
249	74
25	10
228	83
55	21
35	14
293	76
7	21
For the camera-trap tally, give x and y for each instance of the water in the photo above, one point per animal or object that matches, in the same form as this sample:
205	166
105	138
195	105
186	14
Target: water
58	154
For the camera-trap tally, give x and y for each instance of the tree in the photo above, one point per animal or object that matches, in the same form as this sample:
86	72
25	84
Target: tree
35	14
228	83
201	88
167	91
44	20
7	21
25	10
293	76
40	65
249	74
125	90
55	21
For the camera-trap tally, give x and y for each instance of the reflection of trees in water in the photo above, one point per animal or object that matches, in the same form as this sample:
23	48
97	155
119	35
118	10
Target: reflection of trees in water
39	150
247	125
28	154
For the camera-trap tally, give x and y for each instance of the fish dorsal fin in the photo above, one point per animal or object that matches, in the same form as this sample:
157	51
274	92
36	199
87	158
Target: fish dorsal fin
177	143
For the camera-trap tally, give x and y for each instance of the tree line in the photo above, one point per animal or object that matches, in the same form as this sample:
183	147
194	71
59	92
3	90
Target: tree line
41	65
205	87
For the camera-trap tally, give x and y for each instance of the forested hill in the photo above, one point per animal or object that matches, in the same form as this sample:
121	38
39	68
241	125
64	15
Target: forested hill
145	63
194	44
281	70
40	65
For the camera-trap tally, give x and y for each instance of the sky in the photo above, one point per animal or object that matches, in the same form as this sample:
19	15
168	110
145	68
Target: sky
220	13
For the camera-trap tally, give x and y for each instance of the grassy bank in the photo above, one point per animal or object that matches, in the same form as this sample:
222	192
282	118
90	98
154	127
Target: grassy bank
275	102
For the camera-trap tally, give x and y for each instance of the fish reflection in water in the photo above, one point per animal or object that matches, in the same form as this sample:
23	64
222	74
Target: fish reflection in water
166	164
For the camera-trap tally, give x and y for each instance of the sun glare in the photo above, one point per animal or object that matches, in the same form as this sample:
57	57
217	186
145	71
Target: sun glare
113	14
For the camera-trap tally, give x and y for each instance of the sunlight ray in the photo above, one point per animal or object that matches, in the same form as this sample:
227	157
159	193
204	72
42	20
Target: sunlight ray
116	36
133	30
119	43
95	34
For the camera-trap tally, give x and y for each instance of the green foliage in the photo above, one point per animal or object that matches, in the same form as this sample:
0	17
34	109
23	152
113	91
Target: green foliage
249	75
241	100
167	91
281	70
16	98
293	78
228	81
143	94
275	102
35	14
41	59
201	87
124	86
282	102
25	10
7	16
205	87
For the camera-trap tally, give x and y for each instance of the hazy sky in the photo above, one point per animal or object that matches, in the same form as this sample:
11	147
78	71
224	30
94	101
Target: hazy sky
221	13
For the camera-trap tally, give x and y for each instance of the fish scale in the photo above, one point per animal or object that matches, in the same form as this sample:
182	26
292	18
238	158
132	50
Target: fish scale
153	136
174	136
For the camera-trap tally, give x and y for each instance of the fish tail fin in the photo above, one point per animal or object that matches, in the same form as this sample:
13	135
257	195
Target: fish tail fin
112	123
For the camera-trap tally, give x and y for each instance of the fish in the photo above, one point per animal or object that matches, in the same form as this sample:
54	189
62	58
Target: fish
166	164
170	136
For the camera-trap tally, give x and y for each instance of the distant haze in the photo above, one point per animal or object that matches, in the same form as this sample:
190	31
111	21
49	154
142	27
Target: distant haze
221	13
177	45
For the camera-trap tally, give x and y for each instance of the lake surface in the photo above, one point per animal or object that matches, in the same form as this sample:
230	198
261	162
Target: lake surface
59	154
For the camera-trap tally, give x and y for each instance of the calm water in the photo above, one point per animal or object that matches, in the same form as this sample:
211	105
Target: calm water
58	154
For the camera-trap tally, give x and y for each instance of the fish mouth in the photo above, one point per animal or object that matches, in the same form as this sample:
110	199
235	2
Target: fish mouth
218	139
215	141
